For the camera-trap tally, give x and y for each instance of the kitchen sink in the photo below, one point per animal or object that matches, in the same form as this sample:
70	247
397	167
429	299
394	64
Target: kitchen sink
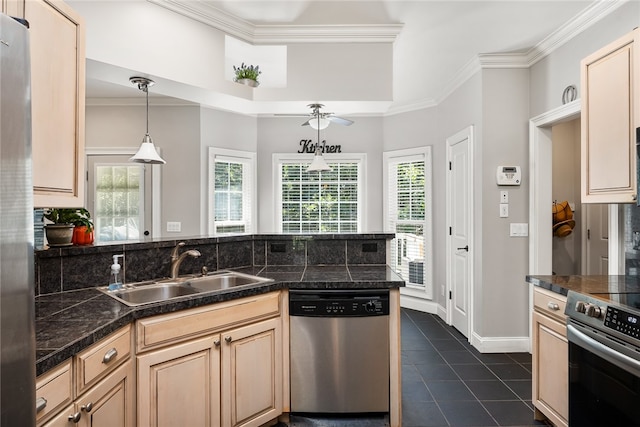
151	291
225	280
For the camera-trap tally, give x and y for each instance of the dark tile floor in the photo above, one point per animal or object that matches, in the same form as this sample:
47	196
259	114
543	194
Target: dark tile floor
447	382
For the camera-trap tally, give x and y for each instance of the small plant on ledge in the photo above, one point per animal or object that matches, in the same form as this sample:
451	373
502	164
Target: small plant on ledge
247	74
70	226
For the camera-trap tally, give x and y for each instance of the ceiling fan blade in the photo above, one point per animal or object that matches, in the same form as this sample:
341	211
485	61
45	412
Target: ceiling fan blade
340	120
307	122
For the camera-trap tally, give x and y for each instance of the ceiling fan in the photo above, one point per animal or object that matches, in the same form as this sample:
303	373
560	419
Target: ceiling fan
319	119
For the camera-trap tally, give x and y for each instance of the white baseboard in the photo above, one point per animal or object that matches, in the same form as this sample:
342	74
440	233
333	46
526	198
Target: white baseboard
501	344
419	304
442	313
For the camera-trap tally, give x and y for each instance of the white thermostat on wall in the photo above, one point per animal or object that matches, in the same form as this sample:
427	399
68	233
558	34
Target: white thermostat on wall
508	175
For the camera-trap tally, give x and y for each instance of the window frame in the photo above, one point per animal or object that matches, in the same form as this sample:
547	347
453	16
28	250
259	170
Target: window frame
278	159
394	157
237	156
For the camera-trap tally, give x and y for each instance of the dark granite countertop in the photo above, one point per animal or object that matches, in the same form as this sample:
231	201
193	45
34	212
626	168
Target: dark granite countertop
68	322
587	284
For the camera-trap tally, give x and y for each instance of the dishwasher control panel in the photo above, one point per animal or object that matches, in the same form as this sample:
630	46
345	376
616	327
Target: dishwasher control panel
342	303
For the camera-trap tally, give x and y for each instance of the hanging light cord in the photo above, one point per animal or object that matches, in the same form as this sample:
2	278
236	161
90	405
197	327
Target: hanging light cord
144	88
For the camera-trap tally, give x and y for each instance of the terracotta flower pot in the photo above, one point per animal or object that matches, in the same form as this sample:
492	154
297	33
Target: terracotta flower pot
81	236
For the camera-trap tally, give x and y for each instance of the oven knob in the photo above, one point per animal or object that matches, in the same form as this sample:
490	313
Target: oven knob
593	311
580	307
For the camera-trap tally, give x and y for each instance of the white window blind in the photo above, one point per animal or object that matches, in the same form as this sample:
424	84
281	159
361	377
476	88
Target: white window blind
409	216
231	192
320	202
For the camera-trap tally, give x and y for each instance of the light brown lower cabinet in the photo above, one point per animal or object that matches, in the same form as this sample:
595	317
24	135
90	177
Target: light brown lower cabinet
550	385
230	377
110	403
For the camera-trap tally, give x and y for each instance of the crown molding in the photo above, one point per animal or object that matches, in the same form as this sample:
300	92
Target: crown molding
579	23
588	17
161	101
273	34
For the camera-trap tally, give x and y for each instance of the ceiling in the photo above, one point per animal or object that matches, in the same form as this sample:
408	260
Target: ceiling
441	39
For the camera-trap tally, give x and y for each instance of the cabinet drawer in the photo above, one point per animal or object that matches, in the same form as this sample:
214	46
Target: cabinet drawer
53	391
550	303
187	324
103	357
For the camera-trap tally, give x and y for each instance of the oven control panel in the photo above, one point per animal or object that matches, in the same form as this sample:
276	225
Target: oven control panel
623	322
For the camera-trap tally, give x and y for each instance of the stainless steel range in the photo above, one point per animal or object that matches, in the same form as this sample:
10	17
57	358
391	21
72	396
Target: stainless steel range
603	330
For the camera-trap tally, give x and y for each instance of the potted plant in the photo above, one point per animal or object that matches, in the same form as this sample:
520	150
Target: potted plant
247	74
69	226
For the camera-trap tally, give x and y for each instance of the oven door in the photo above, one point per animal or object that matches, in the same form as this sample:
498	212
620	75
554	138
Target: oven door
604	379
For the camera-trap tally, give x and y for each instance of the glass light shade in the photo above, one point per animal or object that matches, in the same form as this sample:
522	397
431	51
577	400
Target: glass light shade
147	153
321	123
318	164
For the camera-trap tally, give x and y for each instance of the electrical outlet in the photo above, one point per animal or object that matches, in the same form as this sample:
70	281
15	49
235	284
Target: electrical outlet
174	226
504	196
504	210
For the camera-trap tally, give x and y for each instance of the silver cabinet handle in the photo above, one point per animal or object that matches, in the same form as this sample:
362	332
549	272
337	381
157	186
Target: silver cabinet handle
228	338
109	355
216	343
553	306
87	408
41	403
75	417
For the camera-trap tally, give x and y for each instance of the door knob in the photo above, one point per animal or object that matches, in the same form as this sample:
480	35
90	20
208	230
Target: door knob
466	248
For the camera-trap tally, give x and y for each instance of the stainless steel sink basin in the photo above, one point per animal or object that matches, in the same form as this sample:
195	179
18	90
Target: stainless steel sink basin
148	292
224	280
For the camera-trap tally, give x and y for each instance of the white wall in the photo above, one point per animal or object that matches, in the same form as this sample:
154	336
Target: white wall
504	295
176	131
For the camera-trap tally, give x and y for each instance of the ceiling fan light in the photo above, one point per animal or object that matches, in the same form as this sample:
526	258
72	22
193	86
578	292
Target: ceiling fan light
147	153
318	164
319	123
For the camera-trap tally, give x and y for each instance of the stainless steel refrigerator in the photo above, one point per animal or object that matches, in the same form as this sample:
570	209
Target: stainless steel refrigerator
17	318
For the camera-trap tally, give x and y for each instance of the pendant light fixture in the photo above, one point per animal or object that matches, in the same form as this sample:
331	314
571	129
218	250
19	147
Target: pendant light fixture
318	164
147	152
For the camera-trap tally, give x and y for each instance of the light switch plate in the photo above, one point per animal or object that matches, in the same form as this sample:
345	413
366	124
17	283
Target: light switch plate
504	210
504	196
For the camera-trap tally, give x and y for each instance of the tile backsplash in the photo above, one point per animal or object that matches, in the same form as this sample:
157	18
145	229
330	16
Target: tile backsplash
78	267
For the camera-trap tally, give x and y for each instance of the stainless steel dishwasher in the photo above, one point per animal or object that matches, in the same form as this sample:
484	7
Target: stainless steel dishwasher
339	351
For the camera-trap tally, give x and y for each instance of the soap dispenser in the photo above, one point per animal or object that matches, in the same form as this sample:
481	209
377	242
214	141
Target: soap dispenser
114	280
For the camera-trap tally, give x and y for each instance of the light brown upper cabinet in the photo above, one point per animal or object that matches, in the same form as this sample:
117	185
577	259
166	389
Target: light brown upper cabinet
13	8
610	114
57	102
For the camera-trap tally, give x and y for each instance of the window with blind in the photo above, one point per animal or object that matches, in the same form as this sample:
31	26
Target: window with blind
231	191
408	215
119	202
320	202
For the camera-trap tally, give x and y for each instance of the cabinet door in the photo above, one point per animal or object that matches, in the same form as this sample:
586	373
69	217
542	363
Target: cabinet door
252	374
57	103
13	8
610	111
111	402
550	369
180	385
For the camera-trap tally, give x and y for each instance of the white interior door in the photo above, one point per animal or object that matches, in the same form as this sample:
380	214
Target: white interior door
126	219
597	241
459	210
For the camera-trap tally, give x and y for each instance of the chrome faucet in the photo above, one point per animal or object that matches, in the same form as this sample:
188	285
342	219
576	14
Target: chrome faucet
176	259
